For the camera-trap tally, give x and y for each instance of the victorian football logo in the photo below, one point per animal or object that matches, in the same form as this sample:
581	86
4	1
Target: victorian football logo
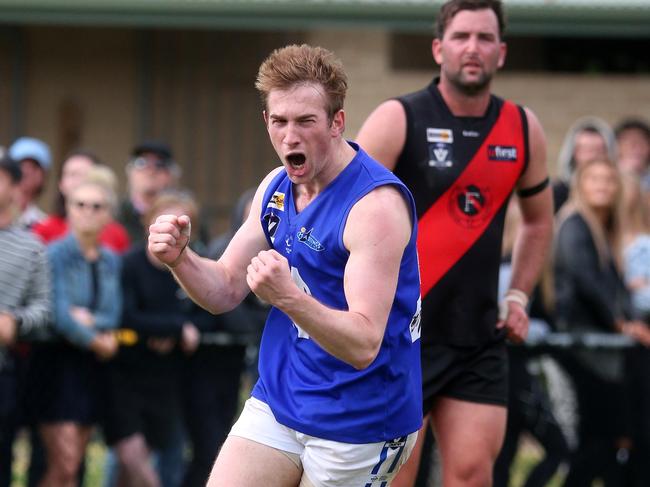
440	147
272	221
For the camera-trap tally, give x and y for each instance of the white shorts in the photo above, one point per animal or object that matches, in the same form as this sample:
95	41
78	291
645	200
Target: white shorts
325	463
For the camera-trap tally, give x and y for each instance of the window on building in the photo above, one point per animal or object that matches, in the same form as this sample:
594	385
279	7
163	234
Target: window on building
554	54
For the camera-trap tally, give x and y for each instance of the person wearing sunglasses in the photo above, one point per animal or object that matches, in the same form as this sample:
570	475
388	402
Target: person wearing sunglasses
87	307
150	170
75	167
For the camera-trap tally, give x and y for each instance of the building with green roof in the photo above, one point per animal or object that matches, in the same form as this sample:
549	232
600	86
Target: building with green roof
104	74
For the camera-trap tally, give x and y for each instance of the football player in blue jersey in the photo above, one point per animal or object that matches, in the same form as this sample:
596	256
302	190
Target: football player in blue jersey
330	244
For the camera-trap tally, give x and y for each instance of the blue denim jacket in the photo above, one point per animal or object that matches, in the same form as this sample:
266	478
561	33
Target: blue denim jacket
72	284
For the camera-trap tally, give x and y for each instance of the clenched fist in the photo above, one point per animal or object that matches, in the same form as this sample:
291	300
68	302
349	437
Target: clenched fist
269	277
168	237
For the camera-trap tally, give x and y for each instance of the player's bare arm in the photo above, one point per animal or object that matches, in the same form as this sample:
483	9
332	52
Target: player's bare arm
383	134
217	286
535	233
377	231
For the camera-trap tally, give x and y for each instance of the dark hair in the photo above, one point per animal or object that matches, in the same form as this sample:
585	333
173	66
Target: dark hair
12	168
161	149
452	7
633	124
59	199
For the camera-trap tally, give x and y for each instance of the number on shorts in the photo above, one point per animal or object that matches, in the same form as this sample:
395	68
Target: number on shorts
398	445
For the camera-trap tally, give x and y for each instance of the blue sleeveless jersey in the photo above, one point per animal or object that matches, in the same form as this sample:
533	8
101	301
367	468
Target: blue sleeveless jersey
307	388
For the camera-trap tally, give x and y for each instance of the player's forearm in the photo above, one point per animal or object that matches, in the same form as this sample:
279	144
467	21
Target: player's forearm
530	253
347	335
206	282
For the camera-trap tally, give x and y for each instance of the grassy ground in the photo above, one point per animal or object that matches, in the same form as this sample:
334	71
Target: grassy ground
527	457
529	453
94	467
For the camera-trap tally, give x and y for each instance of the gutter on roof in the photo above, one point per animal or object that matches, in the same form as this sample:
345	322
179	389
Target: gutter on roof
553	19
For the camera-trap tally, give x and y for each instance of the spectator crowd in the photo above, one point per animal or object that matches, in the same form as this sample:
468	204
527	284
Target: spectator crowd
96	336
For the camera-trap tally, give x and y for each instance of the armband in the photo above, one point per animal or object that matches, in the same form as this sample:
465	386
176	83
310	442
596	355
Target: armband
533	190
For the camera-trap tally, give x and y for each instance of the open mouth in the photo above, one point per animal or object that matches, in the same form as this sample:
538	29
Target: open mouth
296	160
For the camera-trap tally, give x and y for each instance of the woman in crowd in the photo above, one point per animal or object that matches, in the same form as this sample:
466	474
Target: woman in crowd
74	168
87	304
587	139
591	297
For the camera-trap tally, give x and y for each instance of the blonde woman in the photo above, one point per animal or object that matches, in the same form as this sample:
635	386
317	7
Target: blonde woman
591	297
87	303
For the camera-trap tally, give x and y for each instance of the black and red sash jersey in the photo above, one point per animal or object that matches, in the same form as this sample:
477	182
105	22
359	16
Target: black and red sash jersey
461	171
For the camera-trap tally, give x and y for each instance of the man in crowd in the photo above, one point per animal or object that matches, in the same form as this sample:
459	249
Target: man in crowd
151	170
33	156
25	305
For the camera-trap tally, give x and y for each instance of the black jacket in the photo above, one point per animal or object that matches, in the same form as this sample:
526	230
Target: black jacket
590	297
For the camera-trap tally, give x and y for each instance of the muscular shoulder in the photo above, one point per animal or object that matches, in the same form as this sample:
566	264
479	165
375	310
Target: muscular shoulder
383	134
536	137
537	165
382	214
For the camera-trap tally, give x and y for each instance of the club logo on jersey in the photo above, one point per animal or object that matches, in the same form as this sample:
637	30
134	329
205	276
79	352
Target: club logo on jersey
288	243
272	221
277	201
440	155
469	205
445	136
502	153
305	236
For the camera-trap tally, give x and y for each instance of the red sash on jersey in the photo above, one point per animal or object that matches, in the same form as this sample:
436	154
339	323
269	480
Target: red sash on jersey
448	229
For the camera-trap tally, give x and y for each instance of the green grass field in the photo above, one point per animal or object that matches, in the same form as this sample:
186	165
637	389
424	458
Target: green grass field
527	457
529	453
